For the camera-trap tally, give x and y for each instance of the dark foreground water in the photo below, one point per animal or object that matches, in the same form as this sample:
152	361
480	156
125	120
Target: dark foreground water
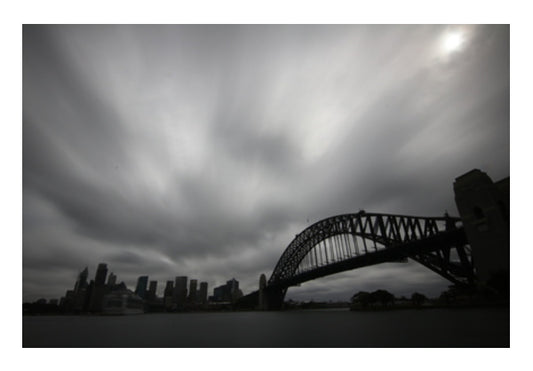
319	328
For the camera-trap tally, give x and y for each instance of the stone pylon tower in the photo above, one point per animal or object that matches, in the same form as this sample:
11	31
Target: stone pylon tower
484	209
262	299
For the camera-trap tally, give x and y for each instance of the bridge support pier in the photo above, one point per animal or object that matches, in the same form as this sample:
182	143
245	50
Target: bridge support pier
273	298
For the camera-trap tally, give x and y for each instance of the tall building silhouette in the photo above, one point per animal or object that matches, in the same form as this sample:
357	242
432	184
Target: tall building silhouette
140	289
97	289
228	292
79	295
101	274
111	280
169	294
152	291
97	296
202	293
233	285
90	305
180	291
81	282
192	291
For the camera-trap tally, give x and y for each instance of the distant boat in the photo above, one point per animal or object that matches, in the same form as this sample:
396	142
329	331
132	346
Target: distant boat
123	302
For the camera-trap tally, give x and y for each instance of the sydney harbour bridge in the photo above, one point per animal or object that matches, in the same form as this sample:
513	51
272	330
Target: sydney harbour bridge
349	241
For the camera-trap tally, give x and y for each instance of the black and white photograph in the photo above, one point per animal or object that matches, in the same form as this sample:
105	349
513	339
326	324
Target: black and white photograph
266	185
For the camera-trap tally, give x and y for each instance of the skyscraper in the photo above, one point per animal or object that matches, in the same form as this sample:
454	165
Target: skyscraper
140	289
112	280
233	285
80	291
101	274
180	291
81	282
152	290
192	291
96	293
219	293
202	294
168	295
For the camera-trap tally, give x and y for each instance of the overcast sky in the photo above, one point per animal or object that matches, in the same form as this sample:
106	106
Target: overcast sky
202	150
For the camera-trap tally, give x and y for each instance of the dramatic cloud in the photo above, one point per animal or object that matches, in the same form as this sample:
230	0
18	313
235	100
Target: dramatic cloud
202	150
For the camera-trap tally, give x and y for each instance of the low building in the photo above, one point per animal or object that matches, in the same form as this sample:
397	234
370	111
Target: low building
229	292
122	302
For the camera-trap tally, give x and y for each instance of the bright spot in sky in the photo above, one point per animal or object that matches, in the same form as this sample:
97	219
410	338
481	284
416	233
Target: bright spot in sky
453	41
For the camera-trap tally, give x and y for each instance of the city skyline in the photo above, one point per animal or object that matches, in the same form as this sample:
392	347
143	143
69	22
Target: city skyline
99	294
202	150
144	287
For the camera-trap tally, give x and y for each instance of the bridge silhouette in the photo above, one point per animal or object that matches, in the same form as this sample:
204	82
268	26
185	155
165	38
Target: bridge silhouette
350	241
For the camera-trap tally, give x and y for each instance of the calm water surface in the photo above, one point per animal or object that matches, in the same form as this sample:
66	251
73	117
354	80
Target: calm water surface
318	328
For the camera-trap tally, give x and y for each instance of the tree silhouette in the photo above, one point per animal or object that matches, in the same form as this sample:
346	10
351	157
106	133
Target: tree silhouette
362	298
383	296
365	299
418	299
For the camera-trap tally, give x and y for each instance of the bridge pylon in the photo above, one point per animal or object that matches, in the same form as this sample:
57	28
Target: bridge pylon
262	300
273	298
269	298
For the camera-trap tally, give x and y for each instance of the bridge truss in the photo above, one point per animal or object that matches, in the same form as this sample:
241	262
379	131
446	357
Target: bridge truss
349	241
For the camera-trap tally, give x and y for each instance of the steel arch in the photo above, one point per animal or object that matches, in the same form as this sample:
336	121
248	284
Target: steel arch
427	240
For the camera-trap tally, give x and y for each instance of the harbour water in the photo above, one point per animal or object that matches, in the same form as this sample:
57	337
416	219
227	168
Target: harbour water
472	327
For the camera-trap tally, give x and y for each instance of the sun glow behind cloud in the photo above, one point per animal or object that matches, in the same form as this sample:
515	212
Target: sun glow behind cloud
453	41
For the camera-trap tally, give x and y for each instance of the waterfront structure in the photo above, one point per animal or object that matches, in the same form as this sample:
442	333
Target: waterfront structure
122	301
484	209
140	289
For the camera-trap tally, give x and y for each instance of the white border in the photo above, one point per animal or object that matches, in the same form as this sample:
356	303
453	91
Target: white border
263	12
